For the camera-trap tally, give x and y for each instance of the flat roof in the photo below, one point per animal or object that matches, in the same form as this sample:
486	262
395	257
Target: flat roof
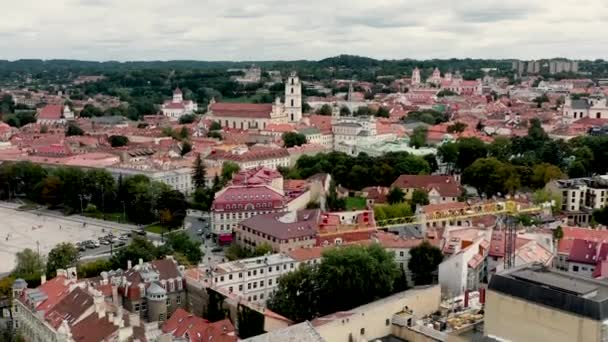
548	287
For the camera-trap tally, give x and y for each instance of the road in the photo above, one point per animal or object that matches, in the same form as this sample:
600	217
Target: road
197	230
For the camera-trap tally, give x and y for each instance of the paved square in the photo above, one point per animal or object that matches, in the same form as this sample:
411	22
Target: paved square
22	229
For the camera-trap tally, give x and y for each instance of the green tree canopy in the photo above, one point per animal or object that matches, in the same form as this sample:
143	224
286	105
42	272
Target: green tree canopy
118	140
73	129
291	139
62	256
418	138
395	195
424	260
199	172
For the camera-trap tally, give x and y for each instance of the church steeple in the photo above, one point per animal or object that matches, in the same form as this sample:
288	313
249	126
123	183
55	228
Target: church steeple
293	98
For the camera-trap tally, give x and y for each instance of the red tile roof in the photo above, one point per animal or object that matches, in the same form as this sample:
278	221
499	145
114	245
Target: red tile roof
251	155
55	289
94	329
70	308
174	105
388	240
257	175
248	198
445	185
183	324
241	110
572	233
305	224
51	112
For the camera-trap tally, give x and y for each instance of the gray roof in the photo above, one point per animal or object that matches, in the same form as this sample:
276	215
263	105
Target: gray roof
155	289
347	124
302	332
269	224
19	284
580	104
309	130
562	291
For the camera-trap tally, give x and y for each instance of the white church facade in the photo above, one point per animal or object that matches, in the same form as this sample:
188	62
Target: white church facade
177	106
259	115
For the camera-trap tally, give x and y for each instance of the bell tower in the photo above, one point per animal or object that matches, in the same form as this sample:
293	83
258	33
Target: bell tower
293	98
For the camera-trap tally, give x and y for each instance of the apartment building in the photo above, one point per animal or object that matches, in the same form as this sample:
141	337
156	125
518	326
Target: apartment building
580	196
440	189
284	232
236	203
534	303
253	279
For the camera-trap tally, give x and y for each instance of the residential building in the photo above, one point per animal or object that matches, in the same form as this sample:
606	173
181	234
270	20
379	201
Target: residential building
175	176
595	106
580	196
153	290
400	246
373	321
586	257
251	158
236	203
252	279
464	267
177	106
566	243
184	325
259	176
534	303
440	189
65	310
284	232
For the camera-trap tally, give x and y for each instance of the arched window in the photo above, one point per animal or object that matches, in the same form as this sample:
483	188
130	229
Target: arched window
598	115
292	90
292	102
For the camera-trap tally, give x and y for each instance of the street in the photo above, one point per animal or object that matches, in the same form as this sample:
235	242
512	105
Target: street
197	229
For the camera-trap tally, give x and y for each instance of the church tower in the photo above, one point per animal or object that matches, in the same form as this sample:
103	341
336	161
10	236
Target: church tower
293	98
177	95
416	76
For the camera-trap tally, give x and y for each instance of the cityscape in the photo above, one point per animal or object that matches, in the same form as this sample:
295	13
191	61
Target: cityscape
159	192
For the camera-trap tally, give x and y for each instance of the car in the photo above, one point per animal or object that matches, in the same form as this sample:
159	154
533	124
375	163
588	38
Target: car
141	232
104	242
201	219
208	236
120	243
124	238
96	244
82	248
200	231
217	249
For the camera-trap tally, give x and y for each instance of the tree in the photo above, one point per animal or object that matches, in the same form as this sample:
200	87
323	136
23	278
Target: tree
62	256
395	195
344	111
139	248
199	172
424	260
90	111
431	159
355	275
215	126
469	150
544	173
291	139
187	119
184	133
491	176
577	170
383	112
419	197
558	233
73	129
186	148
297	295
173	202
203	197
333	202
228	169
214	134
306	107
93	268
118	140
448	153
601	216
181	243
44	129
501	149
446	92
418	138
325	110
215	306
457	127
29	265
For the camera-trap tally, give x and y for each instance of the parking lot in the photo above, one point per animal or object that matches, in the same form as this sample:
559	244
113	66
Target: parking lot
22	229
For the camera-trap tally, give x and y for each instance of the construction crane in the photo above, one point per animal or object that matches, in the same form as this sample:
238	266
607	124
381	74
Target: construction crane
506	211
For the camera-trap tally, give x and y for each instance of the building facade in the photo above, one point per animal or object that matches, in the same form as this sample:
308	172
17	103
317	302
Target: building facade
177	106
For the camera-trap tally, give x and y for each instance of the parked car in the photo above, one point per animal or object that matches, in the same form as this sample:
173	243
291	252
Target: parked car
216	250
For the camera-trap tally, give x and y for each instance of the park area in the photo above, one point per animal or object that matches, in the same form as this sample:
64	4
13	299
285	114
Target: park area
23	229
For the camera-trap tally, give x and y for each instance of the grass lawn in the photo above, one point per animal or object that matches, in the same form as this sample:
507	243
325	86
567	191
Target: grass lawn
114	217
155	228
355	203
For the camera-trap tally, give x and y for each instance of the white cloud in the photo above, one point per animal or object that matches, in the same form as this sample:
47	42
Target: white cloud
313	29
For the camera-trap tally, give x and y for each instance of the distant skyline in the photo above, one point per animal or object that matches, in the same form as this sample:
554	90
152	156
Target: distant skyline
241	30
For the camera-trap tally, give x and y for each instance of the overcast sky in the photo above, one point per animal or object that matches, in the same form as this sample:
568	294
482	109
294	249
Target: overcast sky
308	29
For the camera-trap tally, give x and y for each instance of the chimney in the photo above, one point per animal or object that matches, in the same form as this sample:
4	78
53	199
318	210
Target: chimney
115	295
129	265
42	279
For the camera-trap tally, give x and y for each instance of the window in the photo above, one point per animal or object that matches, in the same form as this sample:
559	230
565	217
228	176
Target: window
575	268
255	284
178	299
161	317
230	277
269	269
136	308
401	253
261	283
261	296
168	301
241	287
222	278
269	282
255	272
248	286
387	322
362	331
255	297
240	275
230	289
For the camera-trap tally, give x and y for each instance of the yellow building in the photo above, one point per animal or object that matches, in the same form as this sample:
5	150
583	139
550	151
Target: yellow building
533	303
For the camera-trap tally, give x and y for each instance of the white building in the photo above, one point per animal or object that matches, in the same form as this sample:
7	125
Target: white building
595	106
177	107
178	178
253	279
580	196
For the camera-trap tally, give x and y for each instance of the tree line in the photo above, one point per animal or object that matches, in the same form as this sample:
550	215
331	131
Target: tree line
140	199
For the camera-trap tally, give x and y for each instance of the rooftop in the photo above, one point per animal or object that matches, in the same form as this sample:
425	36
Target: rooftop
559	290
302	332
285	225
